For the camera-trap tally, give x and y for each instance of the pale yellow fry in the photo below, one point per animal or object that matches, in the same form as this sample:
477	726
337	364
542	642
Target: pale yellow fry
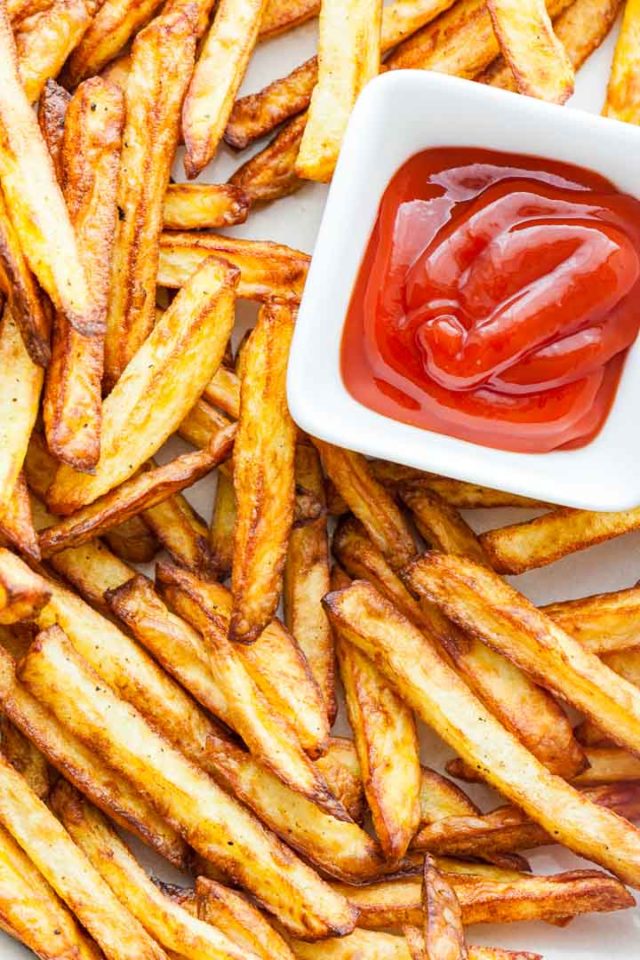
348	57
195	206
45	42
623	92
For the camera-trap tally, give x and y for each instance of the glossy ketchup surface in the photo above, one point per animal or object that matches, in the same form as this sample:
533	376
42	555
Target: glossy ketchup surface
496	300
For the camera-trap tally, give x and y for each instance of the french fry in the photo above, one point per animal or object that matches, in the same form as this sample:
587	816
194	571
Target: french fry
140	493
239	920
387	744
348	57
165	49
267	270
117	72
34	200
602	623
32	912
67	870
443	931
22	593
115	22
159	387
183	534
205	815
216	79
18	10
274	662
457	493
626	663
622	101
526	710
340	767
16	525
52	112
280	16
306	580
440	524
223	391
537	58
90	160
393	903
46	40
441	699
270	174
167	922
195	206
608	765
25	757
263	470
202	425
133	541
387	946
524	546
223	521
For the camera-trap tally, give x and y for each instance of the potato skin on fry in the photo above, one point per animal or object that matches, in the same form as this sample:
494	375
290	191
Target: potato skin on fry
270	174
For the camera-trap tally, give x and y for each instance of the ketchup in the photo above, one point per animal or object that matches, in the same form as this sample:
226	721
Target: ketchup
497	299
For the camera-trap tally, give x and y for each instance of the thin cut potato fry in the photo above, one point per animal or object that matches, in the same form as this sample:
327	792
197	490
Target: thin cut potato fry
216	79
443	700
386	946
386	740
44	43
195	206
32	912
602	623
539	61
34	200
306	580
167	922
623	101
159	386
22	592
141	492
440	524
16	525
263	471
482	603
223	391
205	815
183	534
443	931
236	917
223	521
270	174
524	546
348	57
90	160
282	15
274	661
161	63
267	270
51	118
25	757
68	871
527	711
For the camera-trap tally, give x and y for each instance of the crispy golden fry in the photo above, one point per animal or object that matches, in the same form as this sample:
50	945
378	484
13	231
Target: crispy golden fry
526	710
581	28
19	401
67	870
280	16
385	946
16	525
263	472
34	200
112	27
602	623
195	206
32	912
393	903
275	662
223	391
22	593
18	10
217	76
348	57
236	917
52	112
340	767
441	699
387	743
267	270
537	58
202	425
457	493
609	765
223	521
205	815
440	524
416	947
141	492
270	174
166	921
623	102
269	735
90	160
26	758
524	546
21	292
626	663
482	603
370	502
159	387
44	42
507	828
161	63
306	580
117	72
133	541
443	931
183	534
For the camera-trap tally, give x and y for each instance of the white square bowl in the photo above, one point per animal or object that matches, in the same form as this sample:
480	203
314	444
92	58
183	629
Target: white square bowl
399	114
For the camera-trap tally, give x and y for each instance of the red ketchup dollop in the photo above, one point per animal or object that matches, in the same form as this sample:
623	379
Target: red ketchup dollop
497	299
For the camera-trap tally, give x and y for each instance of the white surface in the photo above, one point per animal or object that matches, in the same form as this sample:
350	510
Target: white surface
399	114
294	220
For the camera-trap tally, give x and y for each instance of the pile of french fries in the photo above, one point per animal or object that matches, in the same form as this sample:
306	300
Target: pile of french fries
186	710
